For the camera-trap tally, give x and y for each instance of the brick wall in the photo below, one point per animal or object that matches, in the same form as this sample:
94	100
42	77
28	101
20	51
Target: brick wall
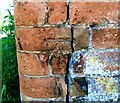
63	46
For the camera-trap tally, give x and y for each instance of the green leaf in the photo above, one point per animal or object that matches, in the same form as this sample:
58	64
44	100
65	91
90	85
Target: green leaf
3	92
6	16
9	12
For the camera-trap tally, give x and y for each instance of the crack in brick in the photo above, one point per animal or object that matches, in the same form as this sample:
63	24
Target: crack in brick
68	12
67	80
79	82
72	39
19	44
59	88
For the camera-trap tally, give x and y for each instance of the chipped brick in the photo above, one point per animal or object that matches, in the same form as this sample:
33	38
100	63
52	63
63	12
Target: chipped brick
44	39
33	64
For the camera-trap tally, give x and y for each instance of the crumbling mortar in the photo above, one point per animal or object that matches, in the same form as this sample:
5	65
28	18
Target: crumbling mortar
45	76
38	100
37	57
90	39
46	12
38	52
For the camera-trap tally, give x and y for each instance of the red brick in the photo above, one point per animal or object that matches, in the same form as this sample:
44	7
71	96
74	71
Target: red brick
29	13
105	38
81	39
59	63
44	39
90	13
57	12
33	64
119	13
46	87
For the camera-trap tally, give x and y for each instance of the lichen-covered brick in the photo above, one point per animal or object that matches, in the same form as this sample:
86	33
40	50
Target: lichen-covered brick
102	62
43	39
45	87
29	13
103	88
93	12
57	12
111	59
105	38
77	64
33	64
81	38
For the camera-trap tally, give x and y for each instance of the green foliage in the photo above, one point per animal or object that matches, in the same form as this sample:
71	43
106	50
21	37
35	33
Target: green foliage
8	24
10	80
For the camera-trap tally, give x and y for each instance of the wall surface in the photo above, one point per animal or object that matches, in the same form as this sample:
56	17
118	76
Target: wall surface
68	50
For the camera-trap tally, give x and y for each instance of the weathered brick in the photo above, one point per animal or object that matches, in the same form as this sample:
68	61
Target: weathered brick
119	13
103	88
29	13
44	39
105	38
33	64
79	87
102	62
77	64
59	63
94	62
111	59
46	87
35	82
90	13
57	12
81	38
